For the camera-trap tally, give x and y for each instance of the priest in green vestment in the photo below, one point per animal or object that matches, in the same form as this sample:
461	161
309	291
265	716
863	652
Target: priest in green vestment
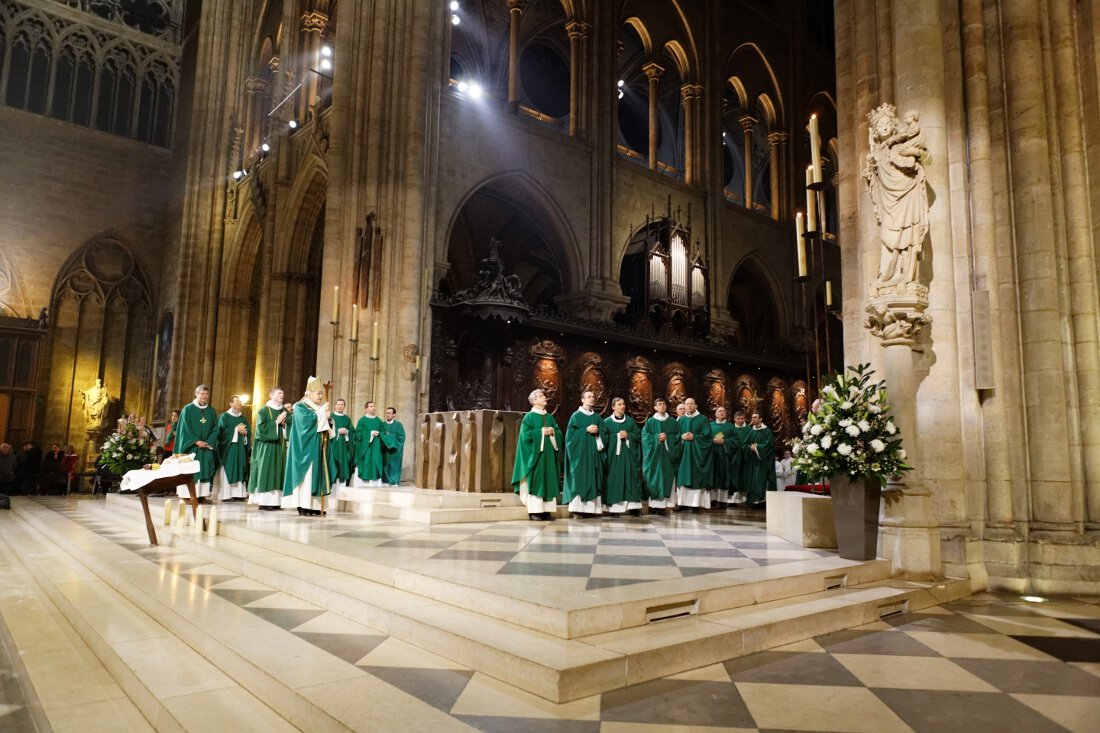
230	482
536	476
265	480
368	448
196	433
721	445
660	455
307	480
759	462
693	474
740	446
341	449
586	441
393	447
623	482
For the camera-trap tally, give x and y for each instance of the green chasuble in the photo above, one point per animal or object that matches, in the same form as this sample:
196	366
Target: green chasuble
306	449
233	456
198	423
720	454
368	453
341	449
760	466
624	461
268	452
658	461
393	451
584	462
536	459
738	446
694	469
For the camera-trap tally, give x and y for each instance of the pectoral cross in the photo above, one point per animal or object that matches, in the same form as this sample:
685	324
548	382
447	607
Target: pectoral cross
203	419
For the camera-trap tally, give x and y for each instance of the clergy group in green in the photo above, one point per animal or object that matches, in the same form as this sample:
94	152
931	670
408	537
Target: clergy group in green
684	462
298	455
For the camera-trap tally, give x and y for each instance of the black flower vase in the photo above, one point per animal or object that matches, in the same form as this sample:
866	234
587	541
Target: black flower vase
855	513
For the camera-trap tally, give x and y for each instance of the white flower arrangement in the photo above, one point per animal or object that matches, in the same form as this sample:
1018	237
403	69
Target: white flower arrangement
851	432
129	447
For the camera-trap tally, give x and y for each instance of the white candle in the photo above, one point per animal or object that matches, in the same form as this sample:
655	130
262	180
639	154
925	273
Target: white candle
811	202
336	304
828	293
821	212
800	245
354	321
815	149
374	342
418	362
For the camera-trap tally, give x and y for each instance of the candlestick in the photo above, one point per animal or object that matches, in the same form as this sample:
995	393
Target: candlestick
828	293
815	150
374	342
354	321
811	202
418	362
336	304
822	223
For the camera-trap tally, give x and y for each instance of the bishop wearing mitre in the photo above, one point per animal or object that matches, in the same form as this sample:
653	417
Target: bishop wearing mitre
307	481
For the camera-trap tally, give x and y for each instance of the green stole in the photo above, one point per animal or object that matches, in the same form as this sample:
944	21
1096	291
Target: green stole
659	460
306	450
694	469
537	461
233	455
368	453
584	463
624	461
268	452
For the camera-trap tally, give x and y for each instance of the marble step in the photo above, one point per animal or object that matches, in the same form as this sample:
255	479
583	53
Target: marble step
567	614
309	688
162	684
563	613
561	669
430	507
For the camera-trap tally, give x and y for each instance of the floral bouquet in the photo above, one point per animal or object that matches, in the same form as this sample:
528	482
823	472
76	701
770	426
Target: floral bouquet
851	431
128	448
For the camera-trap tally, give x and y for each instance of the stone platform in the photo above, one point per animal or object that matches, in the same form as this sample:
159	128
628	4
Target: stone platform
429	506
562	610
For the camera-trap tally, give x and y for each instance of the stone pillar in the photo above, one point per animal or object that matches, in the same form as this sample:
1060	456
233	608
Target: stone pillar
515	11
653	72
748	123
1040	315
313	24
687	96
775	140
577	31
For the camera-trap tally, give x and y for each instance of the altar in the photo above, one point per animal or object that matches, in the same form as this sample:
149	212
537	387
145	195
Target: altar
467	450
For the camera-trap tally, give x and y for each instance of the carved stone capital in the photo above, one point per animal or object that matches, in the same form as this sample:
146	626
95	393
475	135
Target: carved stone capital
653	71
314	22
688	92
776	139
896	314
748	122
593	304
254	85
577	29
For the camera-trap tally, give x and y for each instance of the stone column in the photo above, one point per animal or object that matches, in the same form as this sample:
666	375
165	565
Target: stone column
687	97
775	140
653	72
254	90
577	31
748	123
515	11
1040	315
313	24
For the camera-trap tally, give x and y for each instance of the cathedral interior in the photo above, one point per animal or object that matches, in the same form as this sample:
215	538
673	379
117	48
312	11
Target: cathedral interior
441	206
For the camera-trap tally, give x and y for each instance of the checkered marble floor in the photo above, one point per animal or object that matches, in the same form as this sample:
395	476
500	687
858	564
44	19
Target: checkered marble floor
569	554
989	663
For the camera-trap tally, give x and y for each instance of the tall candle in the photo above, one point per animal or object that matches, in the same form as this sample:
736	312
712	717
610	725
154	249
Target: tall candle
828	293
800	246
374	342
418	362
336	304
354	321
822	222
811	202
815	149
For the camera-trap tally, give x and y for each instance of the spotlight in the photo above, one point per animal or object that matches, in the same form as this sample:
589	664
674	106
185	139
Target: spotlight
454	4
266	148
326	65
620	94
621	84
1033	599
475	91
238	175
293	124
455	20
326	51
245	398
463	86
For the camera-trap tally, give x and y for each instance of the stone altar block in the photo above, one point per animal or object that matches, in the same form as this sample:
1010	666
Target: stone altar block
467	450
804	519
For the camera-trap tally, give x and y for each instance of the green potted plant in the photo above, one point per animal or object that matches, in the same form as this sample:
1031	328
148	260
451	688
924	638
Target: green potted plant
850	438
